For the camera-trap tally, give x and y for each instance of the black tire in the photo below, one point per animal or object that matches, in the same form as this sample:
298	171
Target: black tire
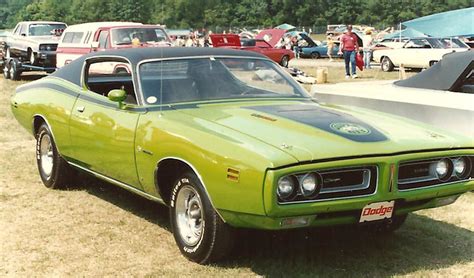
15	72
386	64
6	70
389	226
284	61
315	55
215	239
60	173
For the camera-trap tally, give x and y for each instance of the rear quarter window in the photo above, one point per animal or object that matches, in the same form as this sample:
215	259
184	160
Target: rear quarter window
72	37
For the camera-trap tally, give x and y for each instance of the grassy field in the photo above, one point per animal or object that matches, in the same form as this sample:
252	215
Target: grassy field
95	229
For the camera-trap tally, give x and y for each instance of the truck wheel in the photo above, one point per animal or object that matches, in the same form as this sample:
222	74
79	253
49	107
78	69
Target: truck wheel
14	71
53	169
6	70
31	57
386	64
284	61
199	232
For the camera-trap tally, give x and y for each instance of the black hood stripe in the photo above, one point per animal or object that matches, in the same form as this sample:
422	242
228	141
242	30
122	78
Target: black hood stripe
331	121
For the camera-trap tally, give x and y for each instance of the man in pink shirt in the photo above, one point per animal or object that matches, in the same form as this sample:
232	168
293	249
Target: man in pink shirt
349	47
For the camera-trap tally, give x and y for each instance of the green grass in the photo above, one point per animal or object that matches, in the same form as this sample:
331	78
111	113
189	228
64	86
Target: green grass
95	229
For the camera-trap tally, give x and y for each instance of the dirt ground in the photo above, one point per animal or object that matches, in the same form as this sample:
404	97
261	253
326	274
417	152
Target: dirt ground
95	229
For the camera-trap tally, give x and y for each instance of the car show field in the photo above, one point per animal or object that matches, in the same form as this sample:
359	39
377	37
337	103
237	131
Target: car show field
97	229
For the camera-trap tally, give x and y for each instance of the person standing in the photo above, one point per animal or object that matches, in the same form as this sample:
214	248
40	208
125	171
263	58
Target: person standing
330	44
349	47
366	44
294	46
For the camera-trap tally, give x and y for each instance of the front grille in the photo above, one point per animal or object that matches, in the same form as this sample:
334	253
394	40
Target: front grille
341	183
422	173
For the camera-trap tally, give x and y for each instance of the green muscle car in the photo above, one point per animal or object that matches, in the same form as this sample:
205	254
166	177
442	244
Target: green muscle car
226	139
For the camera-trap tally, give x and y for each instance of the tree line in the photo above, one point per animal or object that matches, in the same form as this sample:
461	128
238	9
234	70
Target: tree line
225	13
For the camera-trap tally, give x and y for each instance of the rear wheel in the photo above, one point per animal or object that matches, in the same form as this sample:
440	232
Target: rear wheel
386	64
315	55
199	232
432	63
53	169
284	61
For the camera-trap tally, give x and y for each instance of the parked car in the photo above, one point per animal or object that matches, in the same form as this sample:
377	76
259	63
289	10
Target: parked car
35	42
81	39
227	139
442	95
259	45
319	51
417	53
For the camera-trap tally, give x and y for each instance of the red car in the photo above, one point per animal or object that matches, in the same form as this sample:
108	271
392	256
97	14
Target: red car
259	44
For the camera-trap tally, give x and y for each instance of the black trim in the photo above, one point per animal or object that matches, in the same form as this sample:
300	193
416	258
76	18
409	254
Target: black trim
367	156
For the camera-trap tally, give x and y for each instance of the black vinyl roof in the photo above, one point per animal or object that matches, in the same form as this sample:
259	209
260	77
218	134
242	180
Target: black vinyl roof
444	75
72	71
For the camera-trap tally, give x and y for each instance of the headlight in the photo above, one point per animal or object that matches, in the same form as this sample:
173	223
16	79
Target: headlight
287	188
462	167
443	169
310	185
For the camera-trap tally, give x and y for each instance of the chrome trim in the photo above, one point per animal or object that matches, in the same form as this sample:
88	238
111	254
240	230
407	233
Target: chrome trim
120	184
436	185
427	179
199	177
340	198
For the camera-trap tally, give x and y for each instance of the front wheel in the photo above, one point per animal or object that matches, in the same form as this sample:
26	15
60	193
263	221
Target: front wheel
199	232
284	61
53	169
6	70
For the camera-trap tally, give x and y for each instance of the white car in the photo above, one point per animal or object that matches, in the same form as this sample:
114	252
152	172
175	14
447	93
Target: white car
418	53
442	95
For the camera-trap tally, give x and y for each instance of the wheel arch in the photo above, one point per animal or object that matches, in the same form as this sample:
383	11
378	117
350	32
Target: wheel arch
166	173
38	120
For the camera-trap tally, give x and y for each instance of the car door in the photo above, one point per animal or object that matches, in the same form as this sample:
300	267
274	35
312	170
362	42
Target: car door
16	40
102	133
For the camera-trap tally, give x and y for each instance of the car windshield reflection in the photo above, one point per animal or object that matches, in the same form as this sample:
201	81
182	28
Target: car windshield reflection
215	78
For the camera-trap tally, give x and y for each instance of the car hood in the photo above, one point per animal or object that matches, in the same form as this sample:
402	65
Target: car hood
309	131
272	36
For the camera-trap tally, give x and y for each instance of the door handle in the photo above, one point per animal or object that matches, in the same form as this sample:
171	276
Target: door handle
80	109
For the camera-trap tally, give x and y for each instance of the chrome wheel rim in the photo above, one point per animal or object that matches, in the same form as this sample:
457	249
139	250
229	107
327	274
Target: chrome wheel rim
46	155
32	58
385	64
189	215
12	70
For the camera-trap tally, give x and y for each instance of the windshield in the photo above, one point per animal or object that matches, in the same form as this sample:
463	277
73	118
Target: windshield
45	29
138	35
203	79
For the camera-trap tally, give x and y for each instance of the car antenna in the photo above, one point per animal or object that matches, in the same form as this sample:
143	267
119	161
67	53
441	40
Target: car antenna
161	70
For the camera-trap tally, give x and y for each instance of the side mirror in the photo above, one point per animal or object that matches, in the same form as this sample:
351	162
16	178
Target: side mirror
95	45
23	34
117	95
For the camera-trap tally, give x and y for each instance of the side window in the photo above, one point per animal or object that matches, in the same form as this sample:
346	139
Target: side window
104	39
67	38
105	75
